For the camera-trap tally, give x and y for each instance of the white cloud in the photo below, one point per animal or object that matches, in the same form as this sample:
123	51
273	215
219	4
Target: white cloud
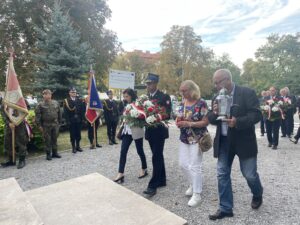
136	22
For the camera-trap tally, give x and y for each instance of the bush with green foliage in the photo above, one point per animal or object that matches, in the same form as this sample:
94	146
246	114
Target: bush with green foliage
37	139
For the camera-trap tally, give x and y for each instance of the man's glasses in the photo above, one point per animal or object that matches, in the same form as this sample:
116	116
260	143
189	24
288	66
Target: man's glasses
220	81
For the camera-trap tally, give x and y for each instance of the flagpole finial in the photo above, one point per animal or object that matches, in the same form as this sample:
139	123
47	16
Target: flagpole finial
91	69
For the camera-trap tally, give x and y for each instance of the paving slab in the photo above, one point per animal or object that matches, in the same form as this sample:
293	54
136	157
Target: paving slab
15	209
94	199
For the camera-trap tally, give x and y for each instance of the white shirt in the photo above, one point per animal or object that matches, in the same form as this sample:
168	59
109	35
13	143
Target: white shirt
152	94
127	130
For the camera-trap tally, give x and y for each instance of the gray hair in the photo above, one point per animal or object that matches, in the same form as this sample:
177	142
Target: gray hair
224	73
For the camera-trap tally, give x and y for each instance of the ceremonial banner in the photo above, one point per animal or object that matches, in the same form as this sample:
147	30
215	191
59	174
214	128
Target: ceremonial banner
94	104
14	103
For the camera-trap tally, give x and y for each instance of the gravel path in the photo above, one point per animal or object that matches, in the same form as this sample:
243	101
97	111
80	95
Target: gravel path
279	171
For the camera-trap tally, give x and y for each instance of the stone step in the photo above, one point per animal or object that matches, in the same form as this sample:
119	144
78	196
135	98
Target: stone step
96	200
15	208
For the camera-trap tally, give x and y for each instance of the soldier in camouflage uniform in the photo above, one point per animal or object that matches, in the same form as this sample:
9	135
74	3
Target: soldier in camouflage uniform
48	118
21	140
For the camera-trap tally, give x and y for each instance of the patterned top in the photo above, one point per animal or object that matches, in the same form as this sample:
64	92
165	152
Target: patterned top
194	113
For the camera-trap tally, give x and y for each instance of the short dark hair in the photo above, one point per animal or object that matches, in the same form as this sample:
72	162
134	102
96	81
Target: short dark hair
131	93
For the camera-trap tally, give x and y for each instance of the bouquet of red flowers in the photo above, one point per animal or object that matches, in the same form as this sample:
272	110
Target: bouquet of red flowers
155	114
134	115
272	109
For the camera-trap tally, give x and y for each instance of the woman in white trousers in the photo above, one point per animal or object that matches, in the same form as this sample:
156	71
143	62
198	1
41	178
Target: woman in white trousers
192	121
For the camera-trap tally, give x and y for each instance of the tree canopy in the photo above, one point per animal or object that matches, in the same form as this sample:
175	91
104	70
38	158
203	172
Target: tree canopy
18	20
61	57
276	63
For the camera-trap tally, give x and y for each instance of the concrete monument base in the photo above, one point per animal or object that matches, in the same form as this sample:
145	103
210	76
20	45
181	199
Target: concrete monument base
96	200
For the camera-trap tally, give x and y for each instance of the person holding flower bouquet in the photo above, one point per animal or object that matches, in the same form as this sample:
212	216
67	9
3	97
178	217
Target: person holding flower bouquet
192	121
133	122
274	114
156	131
287	108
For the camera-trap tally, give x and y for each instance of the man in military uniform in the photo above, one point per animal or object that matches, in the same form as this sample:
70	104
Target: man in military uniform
48	118
21	140
111	115
74	114
156	136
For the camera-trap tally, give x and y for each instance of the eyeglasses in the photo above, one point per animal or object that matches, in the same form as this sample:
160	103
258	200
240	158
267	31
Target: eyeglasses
183	90
220	81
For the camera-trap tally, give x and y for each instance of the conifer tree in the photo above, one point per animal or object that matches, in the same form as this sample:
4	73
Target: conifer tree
62	57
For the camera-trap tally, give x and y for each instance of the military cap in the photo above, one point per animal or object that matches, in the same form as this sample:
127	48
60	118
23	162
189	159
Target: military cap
152	78
72	89
47	91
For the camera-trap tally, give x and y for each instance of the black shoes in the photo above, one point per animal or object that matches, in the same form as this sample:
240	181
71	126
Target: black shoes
269	145
98	146
256	202
150	192
8	163
220	215
56	155
114	142
294	140
21	163
78	149
110	142
73	148
48	157
274	147
120	180
144	175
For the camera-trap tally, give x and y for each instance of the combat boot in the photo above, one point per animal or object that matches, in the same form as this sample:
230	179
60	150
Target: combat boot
48	157
73	148
78	147
9	162
114	141
55	155
21	163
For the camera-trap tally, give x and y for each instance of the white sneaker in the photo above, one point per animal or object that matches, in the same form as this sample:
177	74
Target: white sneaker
195	200
189	191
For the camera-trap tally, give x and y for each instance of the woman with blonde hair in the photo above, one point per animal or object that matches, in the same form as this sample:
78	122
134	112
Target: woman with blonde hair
192	121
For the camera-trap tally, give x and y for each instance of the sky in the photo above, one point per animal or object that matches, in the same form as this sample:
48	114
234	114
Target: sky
236	27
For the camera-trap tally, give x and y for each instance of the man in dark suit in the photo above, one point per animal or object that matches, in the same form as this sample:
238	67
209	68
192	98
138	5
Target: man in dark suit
273	124
111	116
235	136
156	136
74	113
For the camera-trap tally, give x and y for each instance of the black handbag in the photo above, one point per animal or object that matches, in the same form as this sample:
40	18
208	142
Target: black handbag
120	132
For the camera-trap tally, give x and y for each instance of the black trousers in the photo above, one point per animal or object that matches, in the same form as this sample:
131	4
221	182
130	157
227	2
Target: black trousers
262	125
111	129
158	179
91	131
126	142
273	131
75	132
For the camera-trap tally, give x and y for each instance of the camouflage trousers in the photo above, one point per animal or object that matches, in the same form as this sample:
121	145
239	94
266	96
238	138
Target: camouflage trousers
50	134
21	140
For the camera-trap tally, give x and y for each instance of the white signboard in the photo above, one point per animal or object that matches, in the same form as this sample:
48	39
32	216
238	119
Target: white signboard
121	79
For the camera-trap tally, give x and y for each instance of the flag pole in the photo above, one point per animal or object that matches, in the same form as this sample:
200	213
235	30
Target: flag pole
13	145
13	133
94	133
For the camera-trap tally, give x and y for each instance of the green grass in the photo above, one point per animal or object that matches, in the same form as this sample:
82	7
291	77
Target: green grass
65	144
64	138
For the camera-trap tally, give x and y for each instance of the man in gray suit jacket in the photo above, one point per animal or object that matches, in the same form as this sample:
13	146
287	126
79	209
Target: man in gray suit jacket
235	136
